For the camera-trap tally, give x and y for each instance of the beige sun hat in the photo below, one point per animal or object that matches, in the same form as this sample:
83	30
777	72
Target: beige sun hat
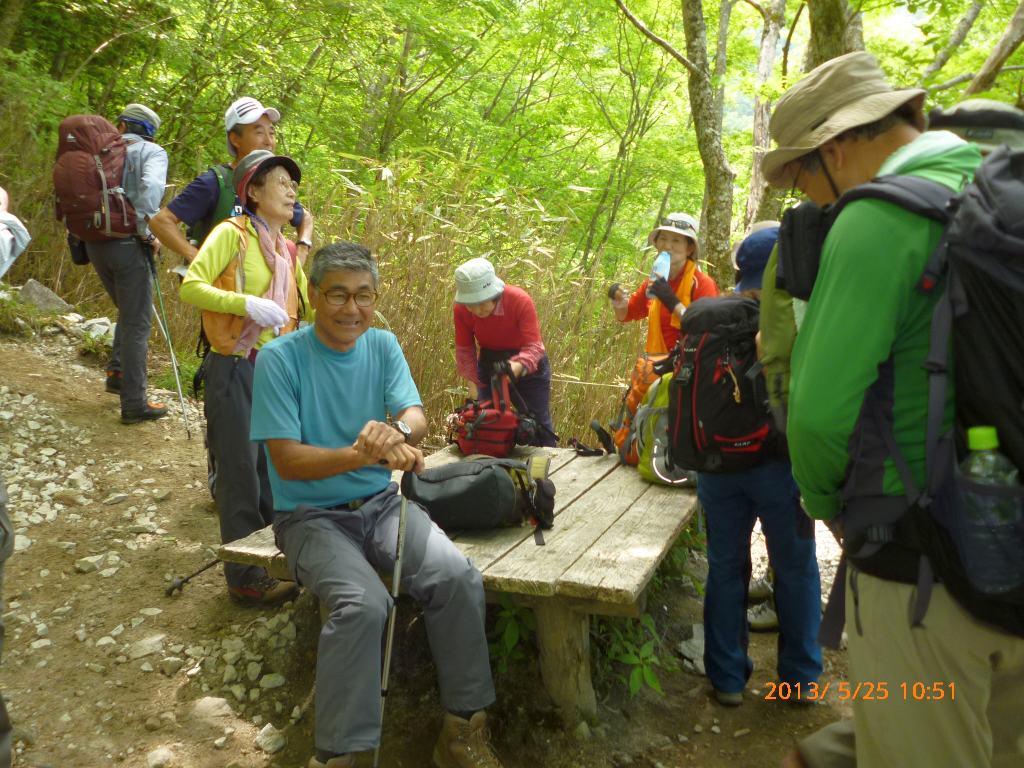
475	282
681	223
838	95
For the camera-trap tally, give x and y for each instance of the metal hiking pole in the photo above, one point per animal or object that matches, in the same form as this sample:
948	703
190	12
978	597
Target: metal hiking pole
396	582
165	330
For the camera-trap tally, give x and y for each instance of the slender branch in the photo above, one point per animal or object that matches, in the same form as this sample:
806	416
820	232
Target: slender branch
757	7
789	39
664	44
956	38
115	37
968	76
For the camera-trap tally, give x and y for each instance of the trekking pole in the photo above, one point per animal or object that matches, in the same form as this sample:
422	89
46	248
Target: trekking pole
165	330
396	582
178	584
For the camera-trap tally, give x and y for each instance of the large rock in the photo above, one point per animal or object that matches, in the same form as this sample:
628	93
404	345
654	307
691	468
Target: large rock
270	739
210	709
693	649
146	647
37	294
161	757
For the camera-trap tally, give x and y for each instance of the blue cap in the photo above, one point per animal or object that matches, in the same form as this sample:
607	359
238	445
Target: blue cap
752	257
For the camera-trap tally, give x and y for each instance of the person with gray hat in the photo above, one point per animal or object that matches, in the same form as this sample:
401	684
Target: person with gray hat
502	320
124	265
251	289
865	339
210	197
672	293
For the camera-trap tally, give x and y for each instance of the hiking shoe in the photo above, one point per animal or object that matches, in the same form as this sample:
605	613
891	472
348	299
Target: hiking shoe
114	382
342	761
266	590
761	589
148	412
729	699
464	743
763	618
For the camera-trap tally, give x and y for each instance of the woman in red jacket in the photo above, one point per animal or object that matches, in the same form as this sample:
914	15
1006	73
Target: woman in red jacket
674	292
502	320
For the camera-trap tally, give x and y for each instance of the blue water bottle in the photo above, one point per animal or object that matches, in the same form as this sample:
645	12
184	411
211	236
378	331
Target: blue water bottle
662	266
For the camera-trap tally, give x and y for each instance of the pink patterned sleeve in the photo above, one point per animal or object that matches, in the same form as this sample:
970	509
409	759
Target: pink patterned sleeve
465	362
530	355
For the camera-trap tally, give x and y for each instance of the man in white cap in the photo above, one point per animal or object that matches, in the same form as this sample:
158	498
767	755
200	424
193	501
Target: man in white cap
210	197
860	392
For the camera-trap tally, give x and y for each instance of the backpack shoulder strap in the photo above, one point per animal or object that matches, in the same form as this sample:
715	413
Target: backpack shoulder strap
916	194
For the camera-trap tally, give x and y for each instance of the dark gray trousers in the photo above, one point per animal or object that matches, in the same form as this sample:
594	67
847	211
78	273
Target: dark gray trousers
245	501
123	267
6	550
334	553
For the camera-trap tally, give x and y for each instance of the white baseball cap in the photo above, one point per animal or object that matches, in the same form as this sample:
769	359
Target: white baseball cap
244	112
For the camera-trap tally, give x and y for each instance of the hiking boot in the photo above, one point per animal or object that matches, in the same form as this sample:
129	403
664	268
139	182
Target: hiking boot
342	761
114	382
729	699
464	743
148	412
763	618
266	590
761	589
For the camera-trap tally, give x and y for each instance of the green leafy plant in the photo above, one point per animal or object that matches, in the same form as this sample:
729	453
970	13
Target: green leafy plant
515	625
634	644
187	365
95	344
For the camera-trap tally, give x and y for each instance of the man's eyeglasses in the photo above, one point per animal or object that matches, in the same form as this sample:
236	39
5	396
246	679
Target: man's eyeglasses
338	298
676	224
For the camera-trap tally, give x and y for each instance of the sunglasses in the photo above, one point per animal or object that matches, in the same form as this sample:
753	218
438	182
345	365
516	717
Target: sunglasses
676	224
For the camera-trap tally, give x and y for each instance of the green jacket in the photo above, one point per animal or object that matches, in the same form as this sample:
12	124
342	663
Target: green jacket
864	307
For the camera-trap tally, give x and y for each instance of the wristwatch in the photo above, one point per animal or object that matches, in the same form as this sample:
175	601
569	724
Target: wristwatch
402	427
305	241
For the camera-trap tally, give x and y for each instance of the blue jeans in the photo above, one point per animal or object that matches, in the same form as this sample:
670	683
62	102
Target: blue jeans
732	503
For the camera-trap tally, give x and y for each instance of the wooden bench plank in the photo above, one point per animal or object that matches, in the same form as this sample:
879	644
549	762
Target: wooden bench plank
618	566
536	570
571	481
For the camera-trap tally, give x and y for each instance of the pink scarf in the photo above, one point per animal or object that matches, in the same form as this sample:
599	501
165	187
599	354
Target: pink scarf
279	261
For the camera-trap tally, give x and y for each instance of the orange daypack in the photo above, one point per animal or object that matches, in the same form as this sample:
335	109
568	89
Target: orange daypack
644	374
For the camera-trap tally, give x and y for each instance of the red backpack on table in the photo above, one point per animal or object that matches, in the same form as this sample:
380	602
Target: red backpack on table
492	427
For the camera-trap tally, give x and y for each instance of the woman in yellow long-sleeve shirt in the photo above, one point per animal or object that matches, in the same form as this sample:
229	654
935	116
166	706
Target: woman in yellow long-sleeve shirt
250	288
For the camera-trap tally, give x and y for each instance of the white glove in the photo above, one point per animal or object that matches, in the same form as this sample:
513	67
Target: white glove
266	313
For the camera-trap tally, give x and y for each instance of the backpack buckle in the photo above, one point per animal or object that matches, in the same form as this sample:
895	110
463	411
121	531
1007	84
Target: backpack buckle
880	534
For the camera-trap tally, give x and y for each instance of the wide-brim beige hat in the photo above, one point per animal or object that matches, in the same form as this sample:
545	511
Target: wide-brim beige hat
475	282
681	223
841	94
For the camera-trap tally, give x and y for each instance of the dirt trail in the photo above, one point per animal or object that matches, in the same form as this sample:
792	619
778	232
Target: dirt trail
100	668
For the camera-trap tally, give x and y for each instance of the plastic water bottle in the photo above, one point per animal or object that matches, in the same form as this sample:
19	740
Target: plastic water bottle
995	530
662	266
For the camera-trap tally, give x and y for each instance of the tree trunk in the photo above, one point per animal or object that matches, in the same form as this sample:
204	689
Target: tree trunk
721	60
763	108
956	38
854	31
828	31
718	174
1008	43
9	21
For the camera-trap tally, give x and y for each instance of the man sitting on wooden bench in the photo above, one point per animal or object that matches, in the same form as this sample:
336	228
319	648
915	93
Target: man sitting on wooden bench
321	397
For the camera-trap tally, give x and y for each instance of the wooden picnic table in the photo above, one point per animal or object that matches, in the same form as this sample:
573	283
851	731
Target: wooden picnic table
612	530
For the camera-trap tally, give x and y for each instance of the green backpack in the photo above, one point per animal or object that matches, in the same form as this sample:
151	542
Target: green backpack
650	430
224	209
778	334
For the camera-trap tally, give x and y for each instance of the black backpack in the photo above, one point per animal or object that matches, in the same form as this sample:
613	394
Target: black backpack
929	535
718	415
485	493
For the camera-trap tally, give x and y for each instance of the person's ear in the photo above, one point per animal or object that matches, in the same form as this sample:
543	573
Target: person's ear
833	156
311	294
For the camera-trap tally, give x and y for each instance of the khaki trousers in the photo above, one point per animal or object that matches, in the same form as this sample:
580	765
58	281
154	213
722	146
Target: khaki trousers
979	720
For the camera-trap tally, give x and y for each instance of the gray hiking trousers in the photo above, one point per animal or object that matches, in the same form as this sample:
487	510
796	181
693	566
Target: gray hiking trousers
333	553
6	550
123	268
245	501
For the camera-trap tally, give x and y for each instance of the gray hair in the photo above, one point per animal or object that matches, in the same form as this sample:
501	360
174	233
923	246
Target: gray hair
342	256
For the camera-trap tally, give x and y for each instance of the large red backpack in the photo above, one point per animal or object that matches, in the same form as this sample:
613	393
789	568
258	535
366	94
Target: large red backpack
91	156
487	427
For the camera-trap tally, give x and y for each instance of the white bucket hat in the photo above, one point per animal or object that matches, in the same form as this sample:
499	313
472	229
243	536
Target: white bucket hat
475	282
246	111
681	223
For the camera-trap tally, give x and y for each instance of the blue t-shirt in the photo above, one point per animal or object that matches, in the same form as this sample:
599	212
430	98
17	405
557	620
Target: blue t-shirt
305	391
200	197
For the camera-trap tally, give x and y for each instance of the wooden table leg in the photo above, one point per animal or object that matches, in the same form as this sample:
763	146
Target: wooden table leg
564	639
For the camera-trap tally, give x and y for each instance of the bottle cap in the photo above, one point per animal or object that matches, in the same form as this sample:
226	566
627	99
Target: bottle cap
982	438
